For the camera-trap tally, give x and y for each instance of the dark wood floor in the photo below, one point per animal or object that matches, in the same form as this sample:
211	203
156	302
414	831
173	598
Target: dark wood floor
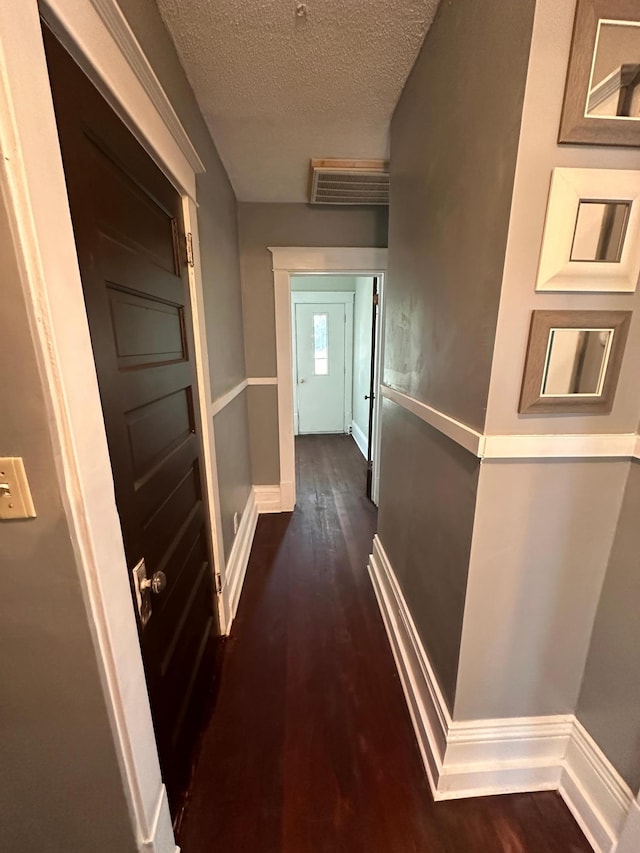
310	748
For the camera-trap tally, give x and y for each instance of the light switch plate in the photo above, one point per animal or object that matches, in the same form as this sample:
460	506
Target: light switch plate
15	495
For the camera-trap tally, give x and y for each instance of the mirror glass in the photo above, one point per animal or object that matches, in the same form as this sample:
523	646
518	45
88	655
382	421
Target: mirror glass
600	230
614	89
576	362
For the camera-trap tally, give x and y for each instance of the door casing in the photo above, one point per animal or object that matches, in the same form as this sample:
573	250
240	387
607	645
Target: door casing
298	260
99	38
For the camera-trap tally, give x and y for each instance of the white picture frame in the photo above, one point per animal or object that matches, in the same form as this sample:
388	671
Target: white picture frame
556	270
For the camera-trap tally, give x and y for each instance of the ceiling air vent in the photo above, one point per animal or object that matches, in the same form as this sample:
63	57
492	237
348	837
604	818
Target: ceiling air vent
349	182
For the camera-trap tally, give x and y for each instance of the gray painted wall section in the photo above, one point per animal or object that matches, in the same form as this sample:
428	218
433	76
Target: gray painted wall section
262	401
218	228
609	703
542	534
234	463
428	494
60	785
263	225
454	140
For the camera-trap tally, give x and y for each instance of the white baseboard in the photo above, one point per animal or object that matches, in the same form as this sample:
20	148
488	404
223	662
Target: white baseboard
268	498
629	841
238	561
484	757
597	796
360	438
428	710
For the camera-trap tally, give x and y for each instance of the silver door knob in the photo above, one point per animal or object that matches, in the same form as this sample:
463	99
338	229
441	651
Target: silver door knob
157	583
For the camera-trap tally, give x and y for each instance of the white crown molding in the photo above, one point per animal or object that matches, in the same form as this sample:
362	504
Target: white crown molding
483	757
236	567
546	446
262	380
330	260
130	47
222	402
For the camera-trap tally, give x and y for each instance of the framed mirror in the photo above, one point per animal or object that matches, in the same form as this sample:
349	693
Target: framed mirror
602	93
591	236
573	361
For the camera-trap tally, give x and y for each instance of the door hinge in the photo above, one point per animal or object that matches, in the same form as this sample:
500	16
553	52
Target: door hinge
219	584
375	298
189	246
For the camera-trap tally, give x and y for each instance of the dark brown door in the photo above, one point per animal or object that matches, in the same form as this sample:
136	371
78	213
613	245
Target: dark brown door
129	234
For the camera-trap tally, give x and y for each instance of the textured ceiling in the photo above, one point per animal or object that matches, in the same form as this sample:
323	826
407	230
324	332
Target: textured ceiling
277	89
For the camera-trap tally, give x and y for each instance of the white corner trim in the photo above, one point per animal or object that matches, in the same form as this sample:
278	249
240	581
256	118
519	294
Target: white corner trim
221	402
295	259
268	498
597	796
557	446
262	380
130	47
236	567
548	446
360	438
462	434
483	757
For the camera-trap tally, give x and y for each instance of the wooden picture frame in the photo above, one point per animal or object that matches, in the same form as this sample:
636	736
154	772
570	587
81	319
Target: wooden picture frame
544	327
576	126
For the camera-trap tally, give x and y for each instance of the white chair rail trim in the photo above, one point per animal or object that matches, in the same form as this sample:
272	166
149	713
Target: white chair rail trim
545	446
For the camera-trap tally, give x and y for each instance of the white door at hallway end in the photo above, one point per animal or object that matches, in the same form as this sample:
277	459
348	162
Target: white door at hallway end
323	340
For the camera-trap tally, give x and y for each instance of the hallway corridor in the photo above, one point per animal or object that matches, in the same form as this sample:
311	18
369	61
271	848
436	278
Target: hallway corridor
310	748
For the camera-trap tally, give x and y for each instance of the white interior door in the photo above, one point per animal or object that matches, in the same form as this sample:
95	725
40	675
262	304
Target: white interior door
320	346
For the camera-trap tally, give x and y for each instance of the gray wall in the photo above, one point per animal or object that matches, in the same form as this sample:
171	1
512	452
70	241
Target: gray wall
263	225
609	703
454	140
542	534
60	785
427	504
545	528
217	223
234	463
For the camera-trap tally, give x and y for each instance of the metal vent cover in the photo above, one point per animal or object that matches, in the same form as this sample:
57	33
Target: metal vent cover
349	182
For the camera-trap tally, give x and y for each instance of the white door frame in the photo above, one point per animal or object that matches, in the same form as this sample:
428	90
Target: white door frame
100	39
289	261
320	297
